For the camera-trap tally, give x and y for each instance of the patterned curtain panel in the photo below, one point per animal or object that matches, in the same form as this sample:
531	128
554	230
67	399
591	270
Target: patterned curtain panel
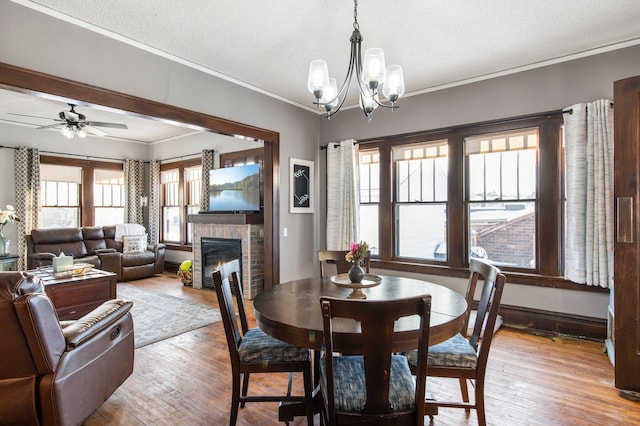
134	187
589	176
343	195
27	170
207	164
154	202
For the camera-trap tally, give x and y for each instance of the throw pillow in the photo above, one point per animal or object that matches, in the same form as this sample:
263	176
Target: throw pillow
134	243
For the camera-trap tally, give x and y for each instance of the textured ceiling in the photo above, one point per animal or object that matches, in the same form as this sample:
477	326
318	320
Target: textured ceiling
267	45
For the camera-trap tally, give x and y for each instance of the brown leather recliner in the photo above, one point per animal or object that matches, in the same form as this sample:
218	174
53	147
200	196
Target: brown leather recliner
54	373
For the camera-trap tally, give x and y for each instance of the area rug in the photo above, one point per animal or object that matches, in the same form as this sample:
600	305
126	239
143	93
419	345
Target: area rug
158	316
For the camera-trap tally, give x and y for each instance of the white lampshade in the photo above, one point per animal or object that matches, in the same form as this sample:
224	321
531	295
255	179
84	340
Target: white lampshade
368	103
81	133
318	77
330	95
394	84
373	68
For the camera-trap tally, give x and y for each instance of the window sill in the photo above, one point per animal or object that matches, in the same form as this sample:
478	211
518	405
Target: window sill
512	277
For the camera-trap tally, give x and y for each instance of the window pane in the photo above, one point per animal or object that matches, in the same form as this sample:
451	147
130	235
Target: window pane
492	176
171	223
191	210
528	174
416	240
105	216
441	175
476	177
509	175
402	181
504	233
74	194
63	194
60	217
369	226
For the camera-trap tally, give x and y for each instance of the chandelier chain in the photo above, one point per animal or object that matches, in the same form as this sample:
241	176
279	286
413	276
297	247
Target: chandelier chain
356	26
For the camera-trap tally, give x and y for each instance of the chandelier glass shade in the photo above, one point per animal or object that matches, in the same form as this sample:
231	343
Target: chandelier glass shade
371	74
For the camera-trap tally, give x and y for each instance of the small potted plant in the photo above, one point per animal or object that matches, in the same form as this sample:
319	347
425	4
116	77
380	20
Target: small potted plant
356	255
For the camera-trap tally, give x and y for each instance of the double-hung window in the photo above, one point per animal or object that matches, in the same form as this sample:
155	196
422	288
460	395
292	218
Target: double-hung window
80	192
502	197
420	205
60	195
179	195
369	170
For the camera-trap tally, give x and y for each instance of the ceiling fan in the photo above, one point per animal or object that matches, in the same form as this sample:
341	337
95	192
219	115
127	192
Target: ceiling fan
73	123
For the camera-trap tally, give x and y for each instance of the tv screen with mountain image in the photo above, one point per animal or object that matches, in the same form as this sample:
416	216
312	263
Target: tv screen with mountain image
235	189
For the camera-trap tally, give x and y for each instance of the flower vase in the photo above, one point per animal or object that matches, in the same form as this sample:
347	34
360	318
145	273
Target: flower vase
3	245
356	273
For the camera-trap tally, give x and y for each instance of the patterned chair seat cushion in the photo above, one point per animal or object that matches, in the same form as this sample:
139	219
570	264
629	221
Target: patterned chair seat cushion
257	346
350	389
455	352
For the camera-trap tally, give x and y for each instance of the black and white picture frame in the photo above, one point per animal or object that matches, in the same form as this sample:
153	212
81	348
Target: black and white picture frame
301	186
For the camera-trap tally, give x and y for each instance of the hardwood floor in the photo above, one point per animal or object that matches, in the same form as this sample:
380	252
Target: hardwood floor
531	380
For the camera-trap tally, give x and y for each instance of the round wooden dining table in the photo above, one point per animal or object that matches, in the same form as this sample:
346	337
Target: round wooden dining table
290	312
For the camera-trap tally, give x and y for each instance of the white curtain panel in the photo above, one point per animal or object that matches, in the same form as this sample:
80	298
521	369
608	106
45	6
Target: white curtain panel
154	202
134	186
589	186
343	195
27	204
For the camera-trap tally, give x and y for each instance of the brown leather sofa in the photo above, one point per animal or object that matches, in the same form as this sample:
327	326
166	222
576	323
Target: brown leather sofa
58	373
95	245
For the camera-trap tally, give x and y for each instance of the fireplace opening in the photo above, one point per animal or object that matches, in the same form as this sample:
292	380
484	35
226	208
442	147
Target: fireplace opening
215	252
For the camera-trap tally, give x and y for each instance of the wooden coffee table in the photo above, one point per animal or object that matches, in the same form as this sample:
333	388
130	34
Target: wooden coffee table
75	296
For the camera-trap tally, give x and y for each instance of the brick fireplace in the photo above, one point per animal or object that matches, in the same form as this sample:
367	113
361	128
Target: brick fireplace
248	229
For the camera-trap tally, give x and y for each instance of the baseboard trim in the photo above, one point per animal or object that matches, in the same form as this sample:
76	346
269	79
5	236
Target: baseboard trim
548	322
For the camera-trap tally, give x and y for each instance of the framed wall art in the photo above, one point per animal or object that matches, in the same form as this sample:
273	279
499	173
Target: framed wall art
301	186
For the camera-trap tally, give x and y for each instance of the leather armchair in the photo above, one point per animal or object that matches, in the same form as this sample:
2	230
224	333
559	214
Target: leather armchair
54	373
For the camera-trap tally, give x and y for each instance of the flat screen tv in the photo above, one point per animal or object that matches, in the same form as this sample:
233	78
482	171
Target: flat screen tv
235	189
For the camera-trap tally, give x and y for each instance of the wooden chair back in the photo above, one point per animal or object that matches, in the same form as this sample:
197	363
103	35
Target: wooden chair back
487	313
377	319
224	279
488	304
336	258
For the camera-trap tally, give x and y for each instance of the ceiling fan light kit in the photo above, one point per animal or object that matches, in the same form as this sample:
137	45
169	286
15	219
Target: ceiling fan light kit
73	124
370	75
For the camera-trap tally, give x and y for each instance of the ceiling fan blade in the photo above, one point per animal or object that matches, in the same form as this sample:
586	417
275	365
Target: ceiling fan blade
95	131
32	116
101	124
50	126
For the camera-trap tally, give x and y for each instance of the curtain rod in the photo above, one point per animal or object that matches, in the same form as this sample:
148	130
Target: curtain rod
68	154
335	145
101	158
570	110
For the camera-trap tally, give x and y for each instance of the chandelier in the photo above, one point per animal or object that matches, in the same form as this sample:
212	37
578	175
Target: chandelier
370	75
73	130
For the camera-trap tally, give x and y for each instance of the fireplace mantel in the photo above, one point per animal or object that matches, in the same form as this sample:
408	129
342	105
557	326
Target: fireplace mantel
226	218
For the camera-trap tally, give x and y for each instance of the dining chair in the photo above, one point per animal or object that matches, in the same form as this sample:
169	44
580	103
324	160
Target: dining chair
465	355
340	265
376	387
253	351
